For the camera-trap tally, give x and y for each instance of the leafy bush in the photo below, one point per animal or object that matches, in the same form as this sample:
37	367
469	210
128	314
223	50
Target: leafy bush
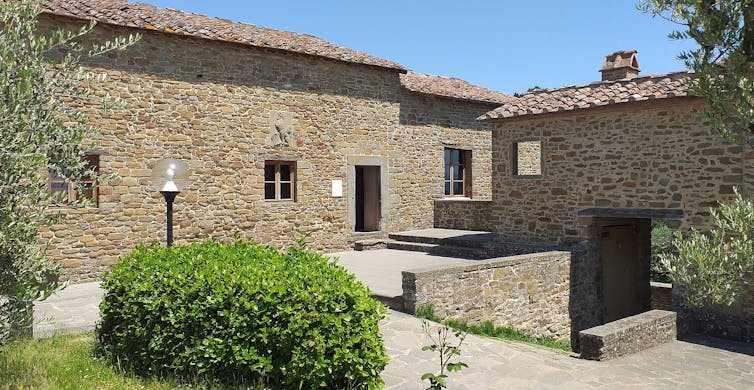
234	313
662	237
716	267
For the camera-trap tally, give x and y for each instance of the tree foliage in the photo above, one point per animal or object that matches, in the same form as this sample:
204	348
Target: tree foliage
724	60
716	268
41	131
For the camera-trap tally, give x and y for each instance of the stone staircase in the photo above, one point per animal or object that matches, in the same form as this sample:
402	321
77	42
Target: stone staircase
468	244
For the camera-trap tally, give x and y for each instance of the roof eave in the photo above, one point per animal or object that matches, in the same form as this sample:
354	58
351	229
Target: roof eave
397	68
497	119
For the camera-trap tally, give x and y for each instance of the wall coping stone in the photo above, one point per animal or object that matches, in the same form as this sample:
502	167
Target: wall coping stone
628	335
661	284
481	264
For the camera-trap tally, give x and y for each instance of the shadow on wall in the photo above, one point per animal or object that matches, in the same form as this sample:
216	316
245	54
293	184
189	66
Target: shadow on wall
420	110
196	61
584	308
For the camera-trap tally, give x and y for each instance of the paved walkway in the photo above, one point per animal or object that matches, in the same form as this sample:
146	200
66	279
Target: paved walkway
495	364
380	269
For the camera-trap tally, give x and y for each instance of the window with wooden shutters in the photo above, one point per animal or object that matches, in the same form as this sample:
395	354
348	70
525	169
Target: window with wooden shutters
279	180
88	190
456	172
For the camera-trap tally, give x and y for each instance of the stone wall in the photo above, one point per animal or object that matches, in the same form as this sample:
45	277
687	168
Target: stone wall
428	125
638	160
735	322
657	155
528	292
628	335
528	156
215	105
462	214
661	294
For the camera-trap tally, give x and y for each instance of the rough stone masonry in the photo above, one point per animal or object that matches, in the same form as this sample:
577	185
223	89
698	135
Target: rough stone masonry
225	109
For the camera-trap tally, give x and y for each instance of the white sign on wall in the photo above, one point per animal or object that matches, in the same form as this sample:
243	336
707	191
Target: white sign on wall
337	188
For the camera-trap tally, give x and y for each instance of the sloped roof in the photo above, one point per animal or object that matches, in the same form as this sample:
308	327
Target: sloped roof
146	16
601	93
452	87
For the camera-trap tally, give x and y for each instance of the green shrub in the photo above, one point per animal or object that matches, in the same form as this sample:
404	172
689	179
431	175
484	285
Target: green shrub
662	237
716	268
234	313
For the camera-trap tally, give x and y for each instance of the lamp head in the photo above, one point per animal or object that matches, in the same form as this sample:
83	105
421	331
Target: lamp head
169	175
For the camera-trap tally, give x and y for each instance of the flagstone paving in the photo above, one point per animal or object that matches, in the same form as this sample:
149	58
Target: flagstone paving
498	364
699	363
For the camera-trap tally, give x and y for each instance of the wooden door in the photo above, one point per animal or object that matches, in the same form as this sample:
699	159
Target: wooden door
620	272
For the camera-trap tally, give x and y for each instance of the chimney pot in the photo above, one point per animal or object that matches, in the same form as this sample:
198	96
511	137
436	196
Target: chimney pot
620	65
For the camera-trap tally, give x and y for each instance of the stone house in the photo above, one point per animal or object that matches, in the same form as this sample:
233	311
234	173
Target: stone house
587	167
281	132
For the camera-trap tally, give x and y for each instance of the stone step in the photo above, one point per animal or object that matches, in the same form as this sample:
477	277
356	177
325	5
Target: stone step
415	238
395	303
411	246
473	241
370	244
439	250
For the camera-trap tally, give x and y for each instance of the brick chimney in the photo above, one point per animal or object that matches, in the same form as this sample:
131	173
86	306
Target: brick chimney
620	65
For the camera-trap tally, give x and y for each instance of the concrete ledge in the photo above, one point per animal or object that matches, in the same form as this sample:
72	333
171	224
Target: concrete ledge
628	335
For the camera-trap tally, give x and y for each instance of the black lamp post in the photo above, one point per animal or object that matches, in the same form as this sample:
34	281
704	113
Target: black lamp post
169	198
169	176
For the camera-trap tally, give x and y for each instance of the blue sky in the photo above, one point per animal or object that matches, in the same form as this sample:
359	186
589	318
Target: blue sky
505	45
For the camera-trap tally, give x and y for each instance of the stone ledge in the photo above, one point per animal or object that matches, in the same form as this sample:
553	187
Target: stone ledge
463	200
628	335
370	244
481	264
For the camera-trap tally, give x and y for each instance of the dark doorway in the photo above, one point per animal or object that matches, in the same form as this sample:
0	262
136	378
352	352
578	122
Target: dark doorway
368	198
625	252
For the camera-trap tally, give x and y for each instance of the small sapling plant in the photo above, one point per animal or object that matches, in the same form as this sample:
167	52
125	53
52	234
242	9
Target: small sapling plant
442	343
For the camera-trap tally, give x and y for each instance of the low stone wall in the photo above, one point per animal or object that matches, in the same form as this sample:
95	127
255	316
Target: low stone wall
465	214
528	292
628	335
734	322
661	295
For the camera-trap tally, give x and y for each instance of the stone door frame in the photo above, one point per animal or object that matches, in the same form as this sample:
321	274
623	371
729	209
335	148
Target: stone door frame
352	163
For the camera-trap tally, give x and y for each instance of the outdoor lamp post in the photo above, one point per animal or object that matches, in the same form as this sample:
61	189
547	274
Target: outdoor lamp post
169	176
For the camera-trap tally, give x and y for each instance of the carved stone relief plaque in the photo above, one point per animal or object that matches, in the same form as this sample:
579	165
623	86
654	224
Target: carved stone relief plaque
281	128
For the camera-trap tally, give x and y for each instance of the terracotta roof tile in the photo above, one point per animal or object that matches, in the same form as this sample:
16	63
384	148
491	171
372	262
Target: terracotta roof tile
145	16
452	88
601	93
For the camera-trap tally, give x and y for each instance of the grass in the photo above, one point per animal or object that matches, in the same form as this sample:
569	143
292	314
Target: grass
486	328
63	362
68	362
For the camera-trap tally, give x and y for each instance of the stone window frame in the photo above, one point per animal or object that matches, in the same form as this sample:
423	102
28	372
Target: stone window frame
277	182
466	176
56	183
514	158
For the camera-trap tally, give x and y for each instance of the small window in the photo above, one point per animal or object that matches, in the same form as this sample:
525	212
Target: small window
88	190
279	180
527	158
457	163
